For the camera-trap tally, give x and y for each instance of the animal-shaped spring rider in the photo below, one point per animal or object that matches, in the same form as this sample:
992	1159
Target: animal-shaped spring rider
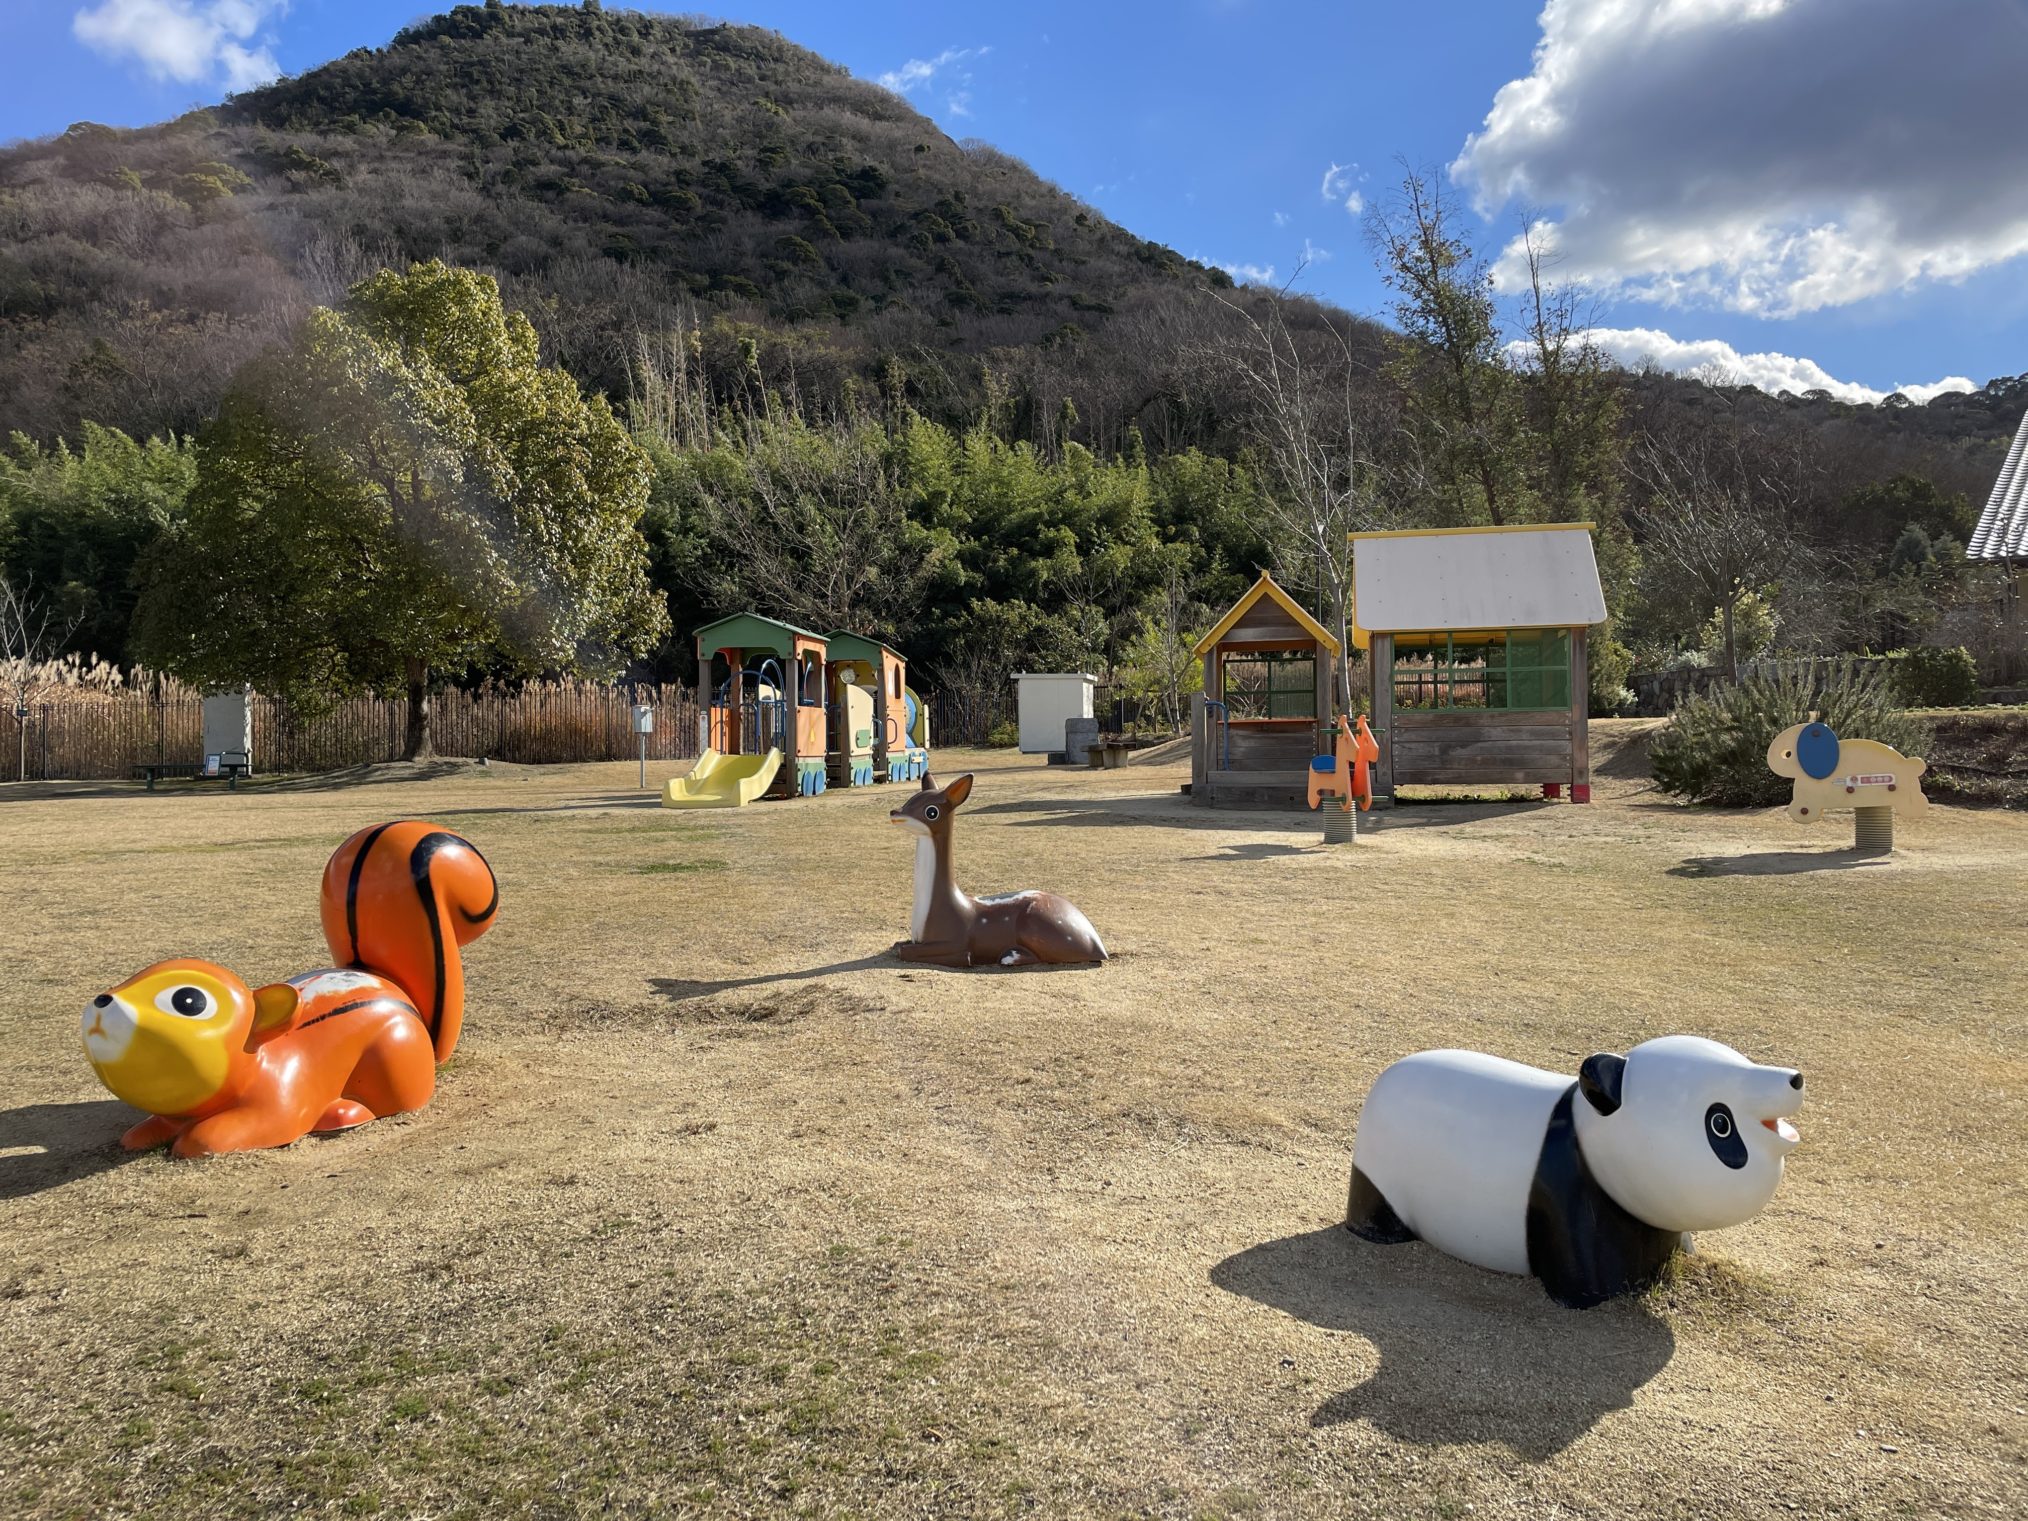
220	1067
1341	779
951	928
1872	779
1592	1185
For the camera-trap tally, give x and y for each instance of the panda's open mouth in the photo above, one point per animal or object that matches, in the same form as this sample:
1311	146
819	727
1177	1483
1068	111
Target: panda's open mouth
1783	1130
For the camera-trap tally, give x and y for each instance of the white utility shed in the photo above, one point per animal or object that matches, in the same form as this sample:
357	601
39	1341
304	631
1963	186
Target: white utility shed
1046	701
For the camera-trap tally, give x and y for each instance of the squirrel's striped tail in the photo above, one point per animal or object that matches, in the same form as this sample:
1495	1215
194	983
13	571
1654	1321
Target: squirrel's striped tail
399	899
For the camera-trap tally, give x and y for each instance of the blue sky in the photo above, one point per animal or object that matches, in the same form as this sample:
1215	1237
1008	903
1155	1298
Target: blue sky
1789	192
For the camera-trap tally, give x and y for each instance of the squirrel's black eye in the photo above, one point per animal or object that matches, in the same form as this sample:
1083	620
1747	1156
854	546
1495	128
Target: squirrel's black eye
1722	1131
190	1002
930	813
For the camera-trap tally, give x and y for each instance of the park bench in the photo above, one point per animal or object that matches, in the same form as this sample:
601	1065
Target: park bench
232	768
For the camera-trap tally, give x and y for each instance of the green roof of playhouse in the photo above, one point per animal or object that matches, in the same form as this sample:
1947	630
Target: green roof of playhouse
846	646
750	631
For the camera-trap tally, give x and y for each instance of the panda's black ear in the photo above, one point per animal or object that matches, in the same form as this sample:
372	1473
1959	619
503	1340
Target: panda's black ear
1599	1080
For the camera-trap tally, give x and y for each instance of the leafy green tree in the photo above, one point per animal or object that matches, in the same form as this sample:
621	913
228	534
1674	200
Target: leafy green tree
1448	360
809	521
1753	628
1875	518
401	489
75	522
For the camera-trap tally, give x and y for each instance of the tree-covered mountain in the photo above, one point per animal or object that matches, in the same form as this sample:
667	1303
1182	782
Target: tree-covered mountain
623	174
627	175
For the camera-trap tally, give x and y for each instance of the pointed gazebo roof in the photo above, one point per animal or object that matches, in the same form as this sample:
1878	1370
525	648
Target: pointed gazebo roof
1266	590
2002	533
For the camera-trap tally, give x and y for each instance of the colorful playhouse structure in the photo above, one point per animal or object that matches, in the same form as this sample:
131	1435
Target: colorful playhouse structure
880	729
1477	646
1265	712
789	713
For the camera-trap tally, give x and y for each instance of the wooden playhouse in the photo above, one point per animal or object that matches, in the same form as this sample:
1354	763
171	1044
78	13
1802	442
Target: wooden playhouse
1269	671
1477	644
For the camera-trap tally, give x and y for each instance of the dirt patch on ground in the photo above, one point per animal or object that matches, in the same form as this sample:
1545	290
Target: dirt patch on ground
720	1209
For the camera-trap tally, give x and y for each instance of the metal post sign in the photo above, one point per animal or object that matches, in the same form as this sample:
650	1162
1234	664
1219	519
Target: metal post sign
644	725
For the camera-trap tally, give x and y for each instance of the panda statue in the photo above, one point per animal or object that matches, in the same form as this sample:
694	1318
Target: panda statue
1590	1186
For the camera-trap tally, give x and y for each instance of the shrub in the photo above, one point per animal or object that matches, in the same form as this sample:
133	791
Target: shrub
1930	677
1715	748
1004	735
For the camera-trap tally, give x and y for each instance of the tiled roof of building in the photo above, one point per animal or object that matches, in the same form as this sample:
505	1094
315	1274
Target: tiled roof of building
2002	533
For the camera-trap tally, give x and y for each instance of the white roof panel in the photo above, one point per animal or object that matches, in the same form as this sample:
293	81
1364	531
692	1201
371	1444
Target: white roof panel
2002	533
1487	578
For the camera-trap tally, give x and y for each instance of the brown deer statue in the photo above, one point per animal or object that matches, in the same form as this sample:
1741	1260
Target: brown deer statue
952	928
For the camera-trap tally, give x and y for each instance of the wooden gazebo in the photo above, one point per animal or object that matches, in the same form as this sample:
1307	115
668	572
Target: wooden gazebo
1269	671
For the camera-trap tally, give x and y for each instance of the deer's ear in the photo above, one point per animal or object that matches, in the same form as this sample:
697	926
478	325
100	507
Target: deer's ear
959	790
929	783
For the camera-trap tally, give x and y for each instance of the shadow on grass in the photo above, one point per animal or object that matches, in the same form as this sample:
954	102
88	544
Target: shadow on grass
1139	810
682	989
53	792
1465	1356
1256	850
374	775
1777	863
48	1145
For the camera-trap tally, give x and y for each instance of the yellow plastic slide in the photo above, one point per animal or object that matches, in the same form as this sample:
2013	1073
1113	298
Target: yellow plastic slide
722	781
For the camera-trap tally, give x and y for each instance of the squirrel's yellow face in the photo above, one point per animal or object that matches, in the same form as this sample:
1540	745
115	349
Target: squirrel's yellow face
166	1040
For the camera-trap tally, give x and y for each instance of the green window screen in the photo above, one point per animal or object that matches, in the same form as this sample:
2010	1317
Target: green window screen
1271	686
1517	670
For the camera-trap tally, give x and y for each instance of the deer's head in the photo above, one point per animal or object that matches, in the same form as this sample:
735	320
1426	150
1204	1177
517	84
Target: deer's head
929	811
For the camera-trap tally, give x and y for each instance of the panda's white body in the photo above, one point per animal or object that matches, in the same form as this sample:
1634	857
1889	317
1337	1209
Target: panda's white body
1451	1138
1587	1184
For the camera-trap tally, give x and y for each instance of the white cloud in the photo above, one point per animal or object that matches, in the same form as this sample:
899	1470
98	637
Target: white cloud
960	103
1341	183
1713	360
1312	254
1766	156
1281	219
918	72
189	41
1249	274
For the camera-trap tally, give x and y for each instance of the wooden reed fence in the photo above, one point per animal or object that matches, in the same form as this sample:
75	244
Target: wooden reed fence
102	735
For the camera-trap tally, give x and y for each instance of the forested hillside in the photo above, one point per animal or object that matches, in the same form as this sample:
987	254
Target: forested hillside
621	174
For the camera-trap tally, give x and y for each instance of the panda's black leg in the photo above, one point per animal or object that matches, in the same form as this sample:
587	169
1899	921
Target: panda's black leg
1370	1217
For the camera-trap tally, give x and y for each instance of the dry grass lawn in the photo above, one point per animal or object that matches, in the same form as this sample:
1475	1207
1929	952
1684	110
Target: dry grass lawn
721	1211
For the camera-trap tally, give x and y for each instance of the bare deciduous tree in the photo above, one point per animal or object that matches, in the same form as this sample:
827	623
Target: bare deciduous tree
1311	420
1720	517
31	635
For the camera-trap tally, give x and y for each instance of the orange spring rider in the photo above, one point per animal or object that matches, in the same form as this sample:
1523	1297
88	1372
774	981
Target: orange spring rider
1343	773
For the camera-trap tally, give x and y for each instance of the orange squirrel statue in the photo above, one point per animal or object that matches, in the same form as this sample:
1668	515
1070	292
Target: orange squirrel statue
220	1067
